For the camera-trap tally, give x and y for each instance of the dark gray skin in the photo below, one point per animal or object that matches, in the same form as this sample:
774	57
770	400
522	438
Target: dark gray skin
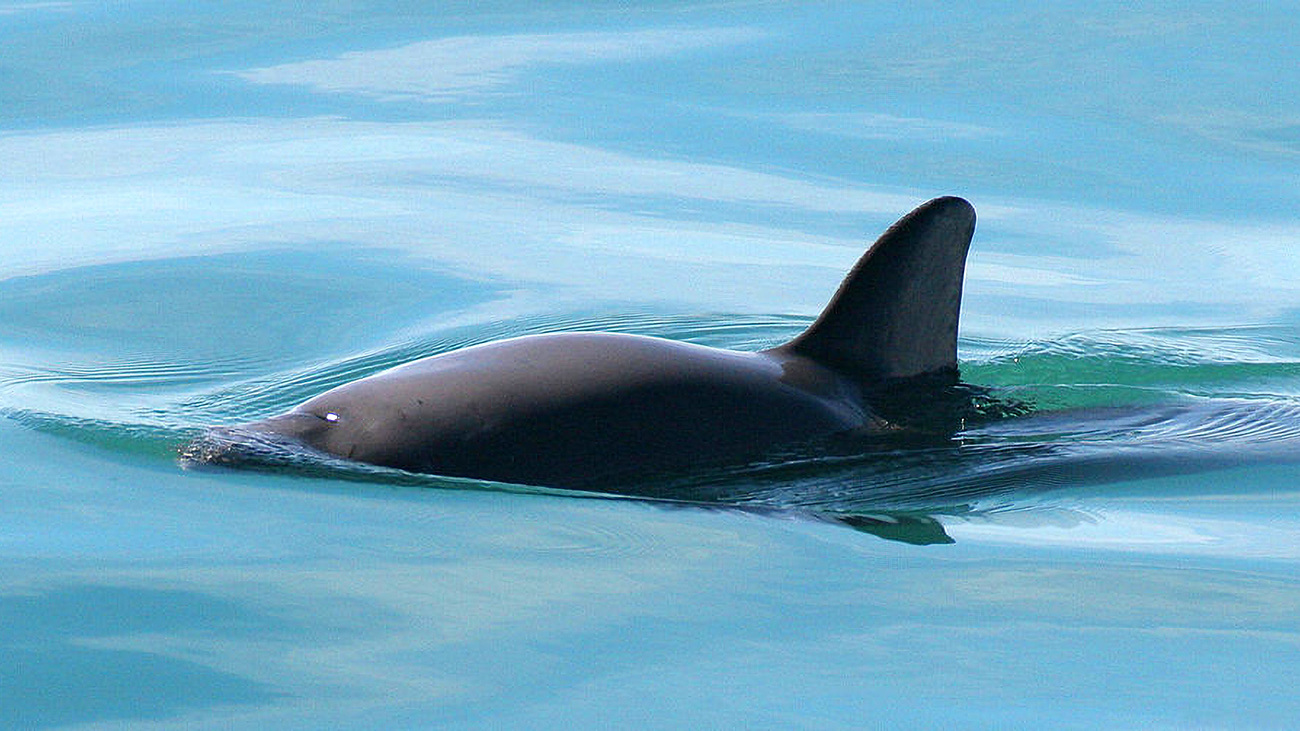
576	409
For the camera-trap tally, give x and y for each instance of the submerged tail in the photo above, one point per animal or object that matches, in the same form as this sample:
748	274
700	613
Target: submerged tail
895	315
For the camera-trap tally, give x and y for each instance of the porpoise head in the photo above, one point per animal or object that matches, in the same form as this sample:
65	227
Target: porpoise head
295	437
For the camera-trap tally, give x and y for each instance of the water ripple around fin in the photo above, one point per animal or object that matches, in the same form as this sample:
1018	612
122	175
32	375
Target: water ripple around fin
1019	458
1112	405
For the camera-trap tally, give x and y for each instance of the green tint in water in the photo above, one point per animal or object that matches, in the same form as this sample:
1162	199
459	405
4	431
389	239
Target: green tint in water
1115	368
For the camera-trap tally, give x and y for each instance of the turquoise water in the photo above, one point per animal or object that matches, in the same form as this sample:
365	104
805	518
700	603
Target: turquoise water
214	211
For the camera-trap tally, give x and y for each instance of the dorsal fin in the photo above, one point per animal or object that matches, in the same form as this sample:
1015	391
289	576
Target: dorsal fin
895	315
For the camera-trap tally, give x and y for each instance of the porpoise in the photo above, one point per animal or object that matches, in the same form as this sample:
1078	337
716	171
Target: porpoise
579	409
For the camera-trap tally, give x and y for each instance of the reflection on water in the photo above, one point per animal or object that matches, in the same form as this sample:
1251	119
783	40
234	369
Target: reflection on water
63	667
214	211
416	607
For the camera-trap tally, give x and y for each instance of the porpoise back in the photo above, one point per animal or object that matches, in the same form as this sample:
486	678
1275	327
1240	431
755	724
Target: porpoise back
595	409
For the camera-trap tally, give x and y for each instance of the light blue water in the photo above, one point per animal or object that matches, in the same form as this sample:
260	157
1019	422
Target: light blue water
209	212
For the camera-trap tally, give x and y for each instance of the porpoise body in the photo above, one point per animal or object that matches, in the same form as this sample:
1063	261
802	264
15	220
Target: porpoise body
577	409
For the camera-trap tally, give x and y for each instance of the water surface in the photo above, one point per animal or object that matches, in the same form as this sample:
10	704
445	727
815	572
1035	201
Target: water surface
212	213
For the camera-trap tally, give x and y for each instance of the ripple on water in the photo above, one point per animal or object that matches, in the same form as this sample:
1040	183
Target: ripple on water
1110	404
613	536
1144	366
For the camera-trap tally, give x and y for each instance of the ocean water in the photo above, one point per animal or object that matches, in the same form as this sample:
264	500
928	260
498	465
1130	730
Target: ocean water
210	212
